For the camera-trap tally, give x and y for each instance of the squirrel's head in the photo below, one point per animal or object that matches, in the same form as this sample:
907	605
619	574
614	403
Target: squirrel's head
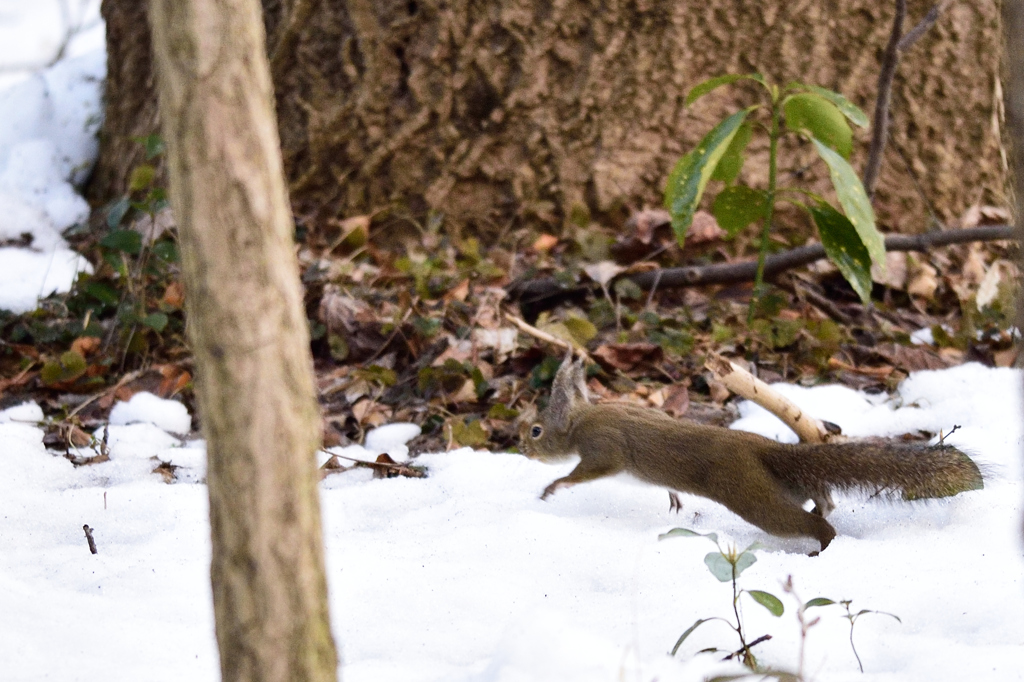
546	437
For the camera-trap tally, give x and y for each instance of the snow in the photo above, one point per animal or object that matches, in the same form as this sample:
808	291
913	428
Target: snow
49	120
169	415
464	575
467	575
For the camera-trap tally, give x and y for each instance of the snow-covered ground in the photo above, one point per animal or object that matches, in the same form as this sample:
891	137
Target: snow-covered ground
49	117
466	574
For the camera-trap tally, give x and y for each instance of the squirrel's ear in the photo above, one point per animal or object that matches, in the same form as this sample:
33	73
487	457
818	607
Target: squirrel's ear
563	394
579	380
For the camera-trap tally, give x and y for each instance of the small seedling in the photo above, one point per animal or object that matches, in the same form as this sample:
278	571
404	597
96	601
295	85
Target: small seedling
851	617
851	241
727	565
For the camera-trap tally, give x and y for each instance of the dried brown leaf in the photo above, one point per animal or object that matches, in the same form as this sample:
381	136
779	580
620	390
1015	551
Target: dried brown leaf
627	356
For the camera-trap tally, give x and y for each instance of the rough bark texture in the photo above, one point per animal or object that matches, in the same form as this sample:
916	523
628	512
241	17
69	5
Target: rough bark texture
529	110
250	340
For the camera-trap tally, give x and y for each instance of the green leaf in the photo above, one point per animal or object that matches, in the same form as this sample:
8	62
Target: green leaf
155	321
68	367
744	561
102	292
687	533
142	177
737	206
819	601
502	412
769	601
729	166
689	631
154	145
688	179
722	568
854	201
582	329
880	613
117	212
850	110
821	119
128	241
844	248
719	566
469	435
166	250
707	86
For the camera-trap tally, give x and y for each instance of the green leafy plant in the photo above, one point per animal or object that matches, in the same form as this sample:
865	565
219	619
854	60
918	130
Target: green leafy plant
727	565
849	616
850	237
134	273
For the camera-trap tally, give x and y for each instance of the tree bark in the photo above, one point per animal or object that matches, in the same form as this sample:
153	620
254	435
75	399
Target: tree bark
1013	23
540	114
250	339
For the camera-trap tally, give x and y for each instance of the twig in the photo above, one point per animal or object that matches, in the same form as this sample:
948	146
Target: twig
544	336
397	467
908	40
130	376
283	51
747	648
89	538
898	43
746	385
880	128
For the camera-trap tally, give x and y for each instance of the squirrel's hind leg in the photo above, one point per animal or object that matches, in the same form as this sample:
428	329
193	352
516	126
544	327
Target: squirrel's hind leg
769	507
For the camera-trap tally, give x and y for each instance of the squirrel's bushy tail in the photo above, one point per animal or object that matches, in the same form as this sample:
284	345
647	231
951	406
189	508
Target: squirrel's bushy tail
913	470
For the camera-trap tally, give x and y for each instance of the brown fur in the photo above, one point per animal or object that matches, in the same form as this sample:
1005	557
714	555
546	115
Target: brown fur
761	480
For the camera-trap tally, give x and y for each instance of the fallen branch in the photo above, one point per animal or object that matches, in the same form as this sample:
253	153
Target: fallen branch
547	292
730	273
746	385
544	336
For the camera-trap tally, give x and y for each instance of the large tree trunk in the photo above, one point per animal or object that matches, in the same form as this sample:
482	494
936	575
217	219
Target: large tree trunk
249	336
532	111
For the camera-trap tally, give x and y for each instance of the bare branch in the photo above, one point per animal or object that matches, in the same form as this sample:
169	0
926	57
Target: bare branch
880	125
907	41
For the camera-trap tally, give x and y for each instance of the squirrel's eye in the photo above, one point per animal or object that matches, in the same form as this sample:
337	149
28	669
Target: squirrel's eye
536	431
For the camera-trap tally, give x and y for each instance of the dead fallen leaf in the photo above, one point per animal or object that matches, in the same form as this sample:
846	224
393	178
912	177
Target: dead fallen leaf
704	229
459	292
924	281
626	356
1006	358
174	295
677	401
909	358
85	345
545	242
719	393
603	272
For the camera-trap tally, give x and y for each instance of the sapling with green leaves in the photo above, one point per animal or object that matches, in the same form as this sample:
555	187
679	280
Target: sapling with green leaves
850	237
727	565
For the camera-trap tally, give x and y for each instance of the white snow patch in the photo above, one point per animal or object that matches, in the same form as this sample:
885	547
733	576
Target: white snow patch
391	437
28	412
48	126
169	415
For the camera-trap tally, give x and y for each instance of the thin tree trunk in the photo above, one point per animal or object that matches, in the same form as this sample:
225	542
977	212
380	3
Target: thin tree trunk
1013	27
250	339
